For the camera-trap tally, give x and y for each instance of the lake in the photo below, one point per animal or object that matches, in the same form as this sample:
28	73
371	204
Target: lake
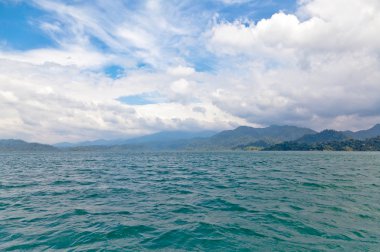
188	201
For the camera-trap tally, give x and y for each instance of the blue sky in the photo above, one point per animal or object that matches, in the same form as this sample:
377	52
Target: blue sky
82	70
19	30
23	27
20	19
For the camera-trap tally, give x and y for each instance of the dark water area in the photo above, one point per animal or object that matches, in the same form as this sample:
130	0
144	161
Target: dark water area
227	201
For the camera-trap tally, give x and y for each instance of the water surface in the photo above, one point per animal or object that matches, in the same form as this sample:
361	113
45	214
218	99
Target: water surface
228	201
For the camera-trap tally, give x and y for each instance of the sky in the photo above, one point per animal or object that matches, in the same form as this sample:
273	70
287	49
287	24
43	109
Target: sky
80	70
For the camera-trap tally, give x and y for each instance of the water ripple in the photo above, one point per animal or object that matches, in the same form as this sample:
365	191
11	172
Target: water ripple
230	201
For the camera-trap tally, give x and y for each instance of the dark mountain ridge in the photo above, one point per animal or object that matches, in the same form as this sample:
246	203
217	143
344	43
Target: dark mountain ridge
363	140
369	144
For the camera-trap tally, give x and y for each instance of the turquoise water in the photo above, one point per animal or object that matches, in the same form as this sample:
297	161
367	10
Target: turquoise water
230	201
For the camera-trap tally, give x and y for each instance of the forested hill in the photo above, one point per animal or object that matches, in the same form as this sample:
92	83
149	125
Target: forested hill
370	144
323	137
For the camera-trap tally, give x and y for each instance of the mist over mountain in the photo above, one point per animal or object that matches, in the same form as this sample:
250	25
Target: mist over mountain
168	136
158	138
364	134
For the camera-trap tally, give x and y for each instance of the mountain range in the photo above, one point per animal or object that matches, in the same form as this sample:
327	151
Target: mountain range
363	140
242	138
249	136
160	137
369	144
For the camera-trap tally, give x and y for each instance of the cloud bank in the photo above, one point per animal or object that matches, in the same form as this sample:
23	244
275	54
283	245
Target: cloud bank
318	66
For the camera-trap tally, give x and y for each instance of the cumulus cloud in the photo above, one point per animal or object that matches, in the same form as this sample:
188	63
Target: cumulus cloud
318	27
234	1
181	71
66	57
52	103
316	67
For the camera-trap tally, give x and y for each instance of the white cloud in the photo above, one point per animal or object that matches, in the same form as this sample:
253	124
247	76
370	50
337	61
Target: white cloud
52	103
317	67
8	97
311	68
320	26
181	71
66	57
180	86
149	33
234	1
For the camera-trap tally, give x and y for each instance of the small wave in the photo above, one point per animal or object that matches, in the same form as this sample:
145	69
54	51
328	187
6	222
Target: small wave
311	184
73	213
290	222
62	182
243	231
80	212
176	237
223	205
123	231
185	210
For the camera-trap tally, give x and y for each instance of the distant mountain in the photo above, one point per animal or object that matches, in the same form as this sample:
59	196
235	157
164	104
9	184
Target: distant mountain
99	142
170	136
364	134
323	137
19	145
317	141
156	139
244	136
207	140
